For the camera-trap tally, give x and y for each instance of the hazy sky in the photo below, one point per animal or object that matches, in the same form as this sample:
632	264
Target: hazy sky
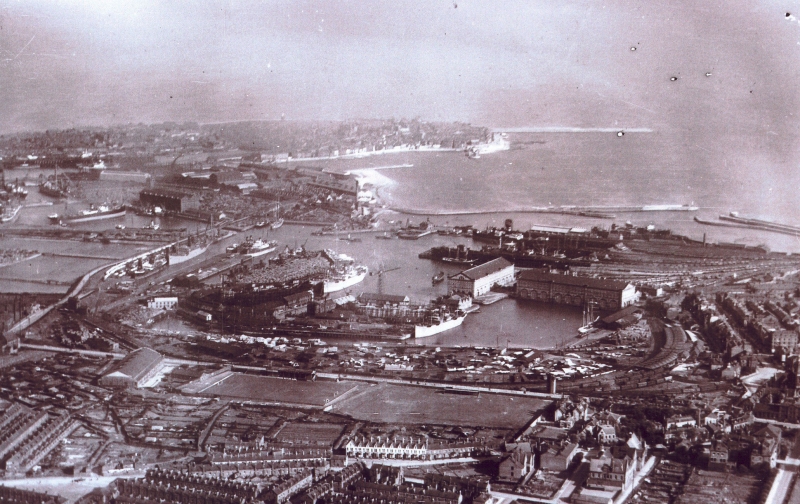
492	63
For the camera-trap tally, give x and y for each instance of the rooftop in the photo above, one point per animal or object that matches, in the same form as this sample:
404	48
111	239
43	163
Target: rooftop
485	269
382	298
137	363
166	193
594	283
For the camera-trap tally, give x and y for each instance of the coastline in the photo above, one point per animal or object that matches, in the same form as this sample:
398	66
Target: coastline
563	210
359	155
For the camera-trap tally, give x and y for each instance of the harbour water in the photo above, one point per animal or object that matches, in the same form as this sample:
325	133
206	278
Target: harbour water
587	169
594	169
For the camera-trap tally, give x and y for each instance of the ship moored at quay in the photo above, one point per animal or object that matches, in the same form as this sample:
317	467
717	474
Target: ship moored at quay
348	277
438	322
96	213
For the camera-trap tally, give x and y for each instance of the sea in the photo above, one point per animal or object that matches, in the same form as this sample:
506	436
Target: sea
542	169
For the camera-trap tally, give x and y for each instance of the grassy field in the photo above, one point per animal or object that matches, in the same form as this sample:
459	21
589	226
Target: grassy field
387	402
421	405
44	268
262	388
314	433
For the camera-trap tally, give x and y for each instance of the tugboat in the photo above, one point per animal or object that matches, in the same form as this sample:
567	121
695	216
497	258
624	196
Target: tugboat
438	278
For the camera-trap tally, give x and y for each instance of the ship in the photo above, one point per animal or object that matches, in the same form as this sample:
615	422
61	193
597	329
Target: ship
278	222
16	190
438	278
261	224
96	213
498	143
438	323
472	153
183	254
588	322
260	247
54	218
384	236
410	233
459	261
53	189
350	276
8	216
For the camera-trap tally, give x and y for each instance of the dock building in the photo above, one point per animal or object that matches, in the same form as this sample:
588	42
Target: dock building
171	201
575	290
478	280
125	176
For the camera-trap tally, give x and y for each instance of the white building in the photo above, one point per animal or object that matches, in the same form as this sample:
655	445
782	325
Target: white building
410	448
162	303
680	421
478	280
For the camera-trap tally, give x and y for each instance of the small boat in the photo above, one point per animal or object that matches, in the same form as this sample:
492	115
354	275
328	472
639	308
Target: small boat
261	224
384	236
53	218
459	261
120	226
276	224
438	278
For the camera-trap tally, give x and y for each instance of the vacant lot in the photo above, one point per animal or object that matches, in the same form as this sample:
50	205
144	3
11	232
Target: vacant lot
421	405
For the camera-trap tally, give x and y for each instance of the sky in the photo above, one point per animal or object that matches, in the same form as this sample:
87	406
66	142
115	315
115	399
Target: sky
695	68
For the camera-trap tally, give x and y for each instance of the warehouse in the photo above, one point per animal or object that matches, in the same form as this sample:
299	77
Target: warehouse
134	370
479	280
575	290
171	201
125	176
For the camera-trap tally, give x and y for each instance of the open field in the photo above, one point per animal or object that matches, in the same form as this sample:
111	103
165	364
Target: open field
75	247
44	268
407	404
262	388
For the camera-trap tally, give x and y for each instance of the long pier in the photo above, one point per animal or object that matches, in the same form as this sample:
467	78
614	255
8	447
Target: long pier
590	211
